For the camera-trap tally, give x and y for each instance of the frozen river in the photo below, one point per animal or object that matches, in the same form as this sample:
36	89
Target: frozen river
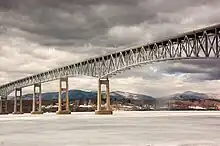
121	129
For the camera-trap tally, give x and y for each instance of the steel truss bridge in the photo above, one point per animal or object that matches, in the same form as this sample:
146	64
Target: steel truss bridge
198	44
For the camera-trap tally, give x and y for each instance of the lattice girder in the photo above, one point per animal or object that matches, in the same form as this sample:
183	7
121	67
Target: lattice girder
198	44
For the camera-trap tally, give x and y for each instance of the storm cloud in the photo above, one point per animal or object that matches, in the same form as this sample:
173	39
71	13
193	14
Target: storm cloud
37	35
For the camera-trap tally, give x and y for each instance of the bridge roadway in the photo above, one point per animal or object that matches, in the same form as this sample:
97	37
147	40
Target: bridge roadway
198	44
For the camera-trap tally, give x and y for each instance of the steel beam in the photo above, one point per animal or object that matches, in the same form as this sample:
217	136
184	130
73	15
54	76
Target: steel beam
197	44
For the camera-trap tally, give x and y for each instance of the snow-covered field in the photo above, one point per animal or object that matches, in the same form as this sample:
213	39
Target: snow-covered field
156	128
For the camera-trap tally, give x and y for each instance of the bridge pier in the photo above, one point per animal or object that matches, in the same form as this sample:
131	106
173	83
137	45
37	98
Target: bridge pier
38	95
107	110
63	89
3	105
18	90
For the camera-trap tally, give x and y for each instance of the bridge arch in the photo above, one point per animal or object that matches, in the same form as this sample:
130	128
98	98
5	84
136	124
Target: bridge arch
123	69
198	44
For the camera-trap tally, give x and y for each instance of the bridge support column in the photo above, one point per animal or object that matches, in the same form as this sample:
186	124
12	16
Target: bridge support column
3	105
106	110
18	90
37	95
61	90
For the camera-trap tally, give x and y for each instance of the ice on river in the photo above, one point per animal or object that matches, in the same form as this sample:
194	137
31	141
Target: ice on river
150	128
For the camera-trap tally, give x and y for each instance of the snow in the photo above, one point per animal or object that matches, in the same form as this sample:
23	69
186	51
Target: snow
196	107
123	128
126	95
86	106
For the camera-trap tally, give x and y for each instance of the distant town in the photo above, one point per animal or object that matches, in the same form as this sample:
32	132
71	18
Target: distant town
84	101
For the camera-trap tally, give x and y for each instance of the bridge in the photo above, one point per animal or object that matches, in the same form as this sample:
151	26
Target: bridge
198	44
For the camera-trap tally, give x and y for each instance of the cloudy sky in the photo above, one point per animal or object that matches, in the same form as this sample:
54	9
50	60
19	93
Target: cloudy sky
38	35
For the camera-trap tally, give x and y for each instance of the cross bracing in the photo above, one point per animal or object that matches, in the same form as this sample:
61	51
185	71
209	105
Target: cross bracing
199	44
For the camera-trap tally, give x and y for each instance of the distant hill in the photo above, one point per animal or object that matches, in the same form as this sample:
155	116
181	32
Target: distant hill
189	95
119	95
133	96
79	94
73	94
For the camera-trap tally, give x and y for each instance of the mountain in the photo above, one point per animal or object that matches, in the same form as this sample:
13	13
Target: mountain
79	94
190	95
73	94
119	95
131	95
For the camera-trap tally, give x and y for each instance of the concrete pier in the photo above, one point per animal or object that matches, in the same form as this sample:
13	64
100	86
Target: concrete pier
37	94
3	105
107	110
61	90
18	90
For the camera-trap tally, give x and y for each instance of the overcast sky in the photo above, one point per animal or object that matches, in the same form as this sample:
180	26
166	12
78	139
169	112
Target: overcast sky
38	35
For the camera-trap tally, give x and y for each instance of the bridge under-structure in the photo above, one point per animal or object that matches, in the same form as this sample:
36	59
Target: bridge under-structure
198	44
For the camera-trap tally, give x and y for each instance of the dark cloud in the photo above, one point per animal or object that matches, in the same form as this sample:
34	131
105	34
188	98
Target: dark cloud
75	21
74	24
196	69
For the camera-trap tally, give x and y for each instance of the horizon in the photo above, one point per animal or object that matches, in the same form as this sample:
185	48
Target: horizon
36	37
127	92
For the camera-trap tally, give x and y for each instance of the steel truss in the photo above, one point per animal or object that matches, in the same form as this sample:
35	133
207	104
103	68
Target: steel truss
198	44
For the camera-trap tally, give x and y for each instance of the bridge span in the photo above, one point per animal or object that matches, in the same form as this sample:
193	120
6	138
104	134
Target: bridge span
198	44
